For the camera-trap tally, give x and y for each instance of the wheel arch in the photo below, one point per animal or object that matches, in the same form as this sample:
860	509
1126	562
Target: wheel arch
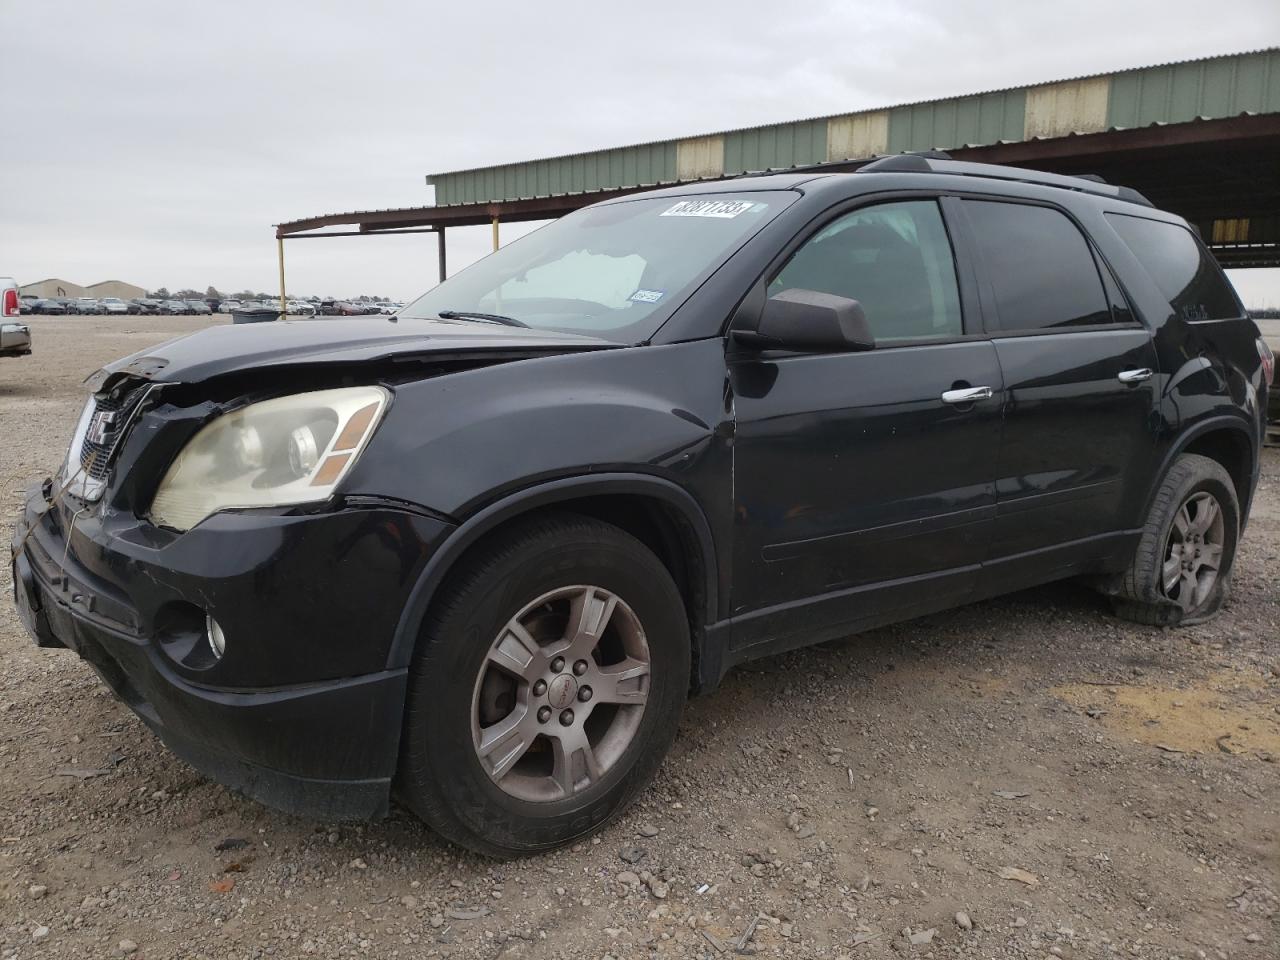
659	513
1226	440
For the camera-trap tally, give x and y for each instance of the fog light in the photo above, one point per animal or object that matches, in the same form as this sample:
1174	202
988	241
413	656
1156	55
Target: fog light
217	639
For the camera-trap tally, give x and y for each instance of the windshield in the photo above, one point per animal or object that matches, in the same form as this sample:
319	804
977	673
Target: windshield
615	271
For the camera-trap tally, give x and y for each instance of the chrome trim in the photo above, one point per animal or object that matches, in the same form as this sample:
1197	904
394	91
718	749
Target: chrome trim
966	395
75	477
1134	376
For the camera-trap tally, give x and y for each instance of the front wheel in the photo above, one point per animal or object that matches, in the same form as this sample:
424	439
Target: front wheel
546	688
1181	571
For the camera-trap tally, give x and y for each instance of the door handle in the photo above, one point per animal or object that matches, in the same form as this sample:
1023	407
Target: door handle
1134	376
966	395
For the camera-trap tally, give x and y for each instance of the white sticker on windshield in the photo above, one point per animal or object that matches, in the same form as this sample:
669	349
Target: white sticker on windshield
647	296
721	209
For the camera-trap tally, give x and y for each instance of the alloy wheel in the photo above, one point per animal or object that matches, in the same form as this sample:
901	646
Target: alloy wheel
1193	552
560	694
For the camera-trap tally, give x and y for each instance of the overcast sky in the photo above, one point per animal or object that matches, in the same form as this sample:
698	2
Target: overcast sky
157	141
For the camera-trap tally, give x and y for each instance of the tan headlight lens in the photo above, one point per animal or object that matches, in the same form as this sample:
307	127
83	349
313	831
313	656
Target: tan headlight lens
279	452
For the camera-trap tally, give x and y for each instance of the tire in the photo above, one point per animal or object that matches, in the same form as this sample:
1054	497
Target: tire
1145	593
536	575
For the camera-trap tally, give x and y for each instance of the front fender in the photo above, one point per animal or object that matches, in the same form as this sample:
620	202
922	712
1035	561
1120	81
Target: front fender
459	441
482	445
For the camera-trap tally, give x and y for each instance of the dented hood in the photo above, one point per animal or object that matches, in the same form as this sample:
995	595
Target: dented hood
232	348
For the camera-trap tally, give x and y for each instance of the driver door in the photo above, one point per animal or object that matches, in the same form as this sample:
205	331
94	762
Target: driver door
862	489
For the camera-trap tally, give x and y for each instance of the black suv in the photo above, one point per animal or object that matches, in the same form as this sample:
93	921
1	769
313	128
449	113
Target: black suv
482	550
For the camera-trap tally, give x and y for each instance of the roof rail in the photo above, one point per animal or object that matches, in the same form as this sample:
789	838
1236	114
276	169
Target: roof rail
924	163
825	166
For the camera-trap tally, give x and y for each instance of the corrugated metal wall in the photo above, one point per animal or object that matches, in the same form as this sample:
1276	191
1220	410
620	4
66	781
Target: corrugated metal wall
1171	93
1222	87
775	148
641	166
986	118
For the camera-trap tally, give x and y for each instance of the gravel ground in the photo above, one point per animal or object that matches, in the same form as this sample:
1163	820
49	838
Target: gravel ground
1027	777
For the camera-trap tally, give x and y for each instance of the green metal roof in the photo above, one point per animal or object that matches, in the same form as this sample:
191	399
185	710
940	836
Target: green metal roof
1209	88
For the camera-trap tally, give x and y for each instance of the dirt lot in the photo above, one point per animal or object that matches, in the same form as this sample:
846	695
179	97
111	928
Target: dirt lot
1028	777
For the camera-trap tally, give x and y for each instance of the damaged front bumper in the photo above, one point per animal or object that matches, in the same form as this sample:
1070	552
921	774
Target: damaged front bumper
301	711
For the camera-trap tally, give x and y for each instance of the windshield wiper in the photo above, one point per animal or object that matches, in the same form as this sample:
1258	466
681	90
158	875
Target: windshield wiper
489	317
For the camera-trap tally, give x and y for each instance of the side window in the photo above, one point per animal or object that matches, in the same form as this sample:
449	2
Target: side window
895	259
1040	267
1182	269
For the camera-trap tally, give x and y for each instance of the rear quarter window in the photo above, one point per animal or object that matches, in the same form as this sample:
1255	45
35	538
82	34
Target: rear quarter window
1183	270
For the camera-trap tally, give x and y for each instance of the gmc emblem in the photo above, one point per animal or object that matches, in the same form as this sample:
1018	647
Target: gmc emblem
99	427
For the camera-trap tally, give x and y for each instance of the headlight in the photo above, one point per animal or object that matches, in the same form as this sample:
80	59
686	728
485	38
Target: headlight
279	452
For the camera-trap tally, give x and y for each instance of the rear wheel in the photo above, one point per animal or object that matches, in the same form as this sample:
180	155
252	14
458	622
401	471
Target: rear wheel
1181	570
546	688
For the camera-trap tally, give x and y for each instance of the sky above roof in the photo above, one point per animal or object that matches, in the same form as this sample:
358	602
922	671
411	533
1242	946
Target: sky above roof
158	141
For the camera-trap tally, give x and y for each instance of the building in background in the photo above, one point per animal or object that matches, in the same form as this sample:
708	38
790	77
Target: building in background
115	288
1199	138
55	287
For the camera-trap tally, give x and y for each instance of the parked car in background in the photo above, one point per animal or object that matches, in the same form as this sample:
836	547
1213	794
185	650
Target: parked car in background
49	307
197	307
226	306
10	309
112	306
26	301
389	308
83	306
176	307
299	308
15	337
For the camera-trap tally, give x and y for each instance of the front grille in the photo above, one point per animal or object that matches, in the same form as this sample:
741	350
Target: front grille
112	416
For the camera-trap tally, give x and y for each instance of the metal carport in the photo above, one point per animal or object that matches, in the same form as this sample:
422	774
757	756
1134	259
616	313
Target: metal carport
1198	137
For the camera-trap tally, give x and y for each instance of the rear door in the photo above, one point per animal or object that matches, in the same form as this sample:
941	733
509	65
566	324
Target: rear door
859	488
1079	411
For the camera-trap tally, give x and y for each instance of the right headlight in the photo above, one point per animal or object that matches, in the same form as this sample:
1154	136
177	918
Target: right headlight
280	452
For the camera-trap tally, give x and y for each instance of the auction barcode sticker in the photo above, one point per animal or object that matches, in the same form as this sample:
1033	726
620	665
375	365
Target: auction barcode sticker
721	209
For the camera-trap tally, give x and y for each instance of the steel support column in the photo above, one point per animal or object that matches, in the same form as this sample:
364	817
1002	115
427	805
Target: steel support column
440	253
280	254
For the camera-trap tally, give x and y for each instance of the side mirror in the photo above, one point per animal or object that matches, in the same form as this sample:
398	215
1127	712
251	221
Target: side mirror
808	320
